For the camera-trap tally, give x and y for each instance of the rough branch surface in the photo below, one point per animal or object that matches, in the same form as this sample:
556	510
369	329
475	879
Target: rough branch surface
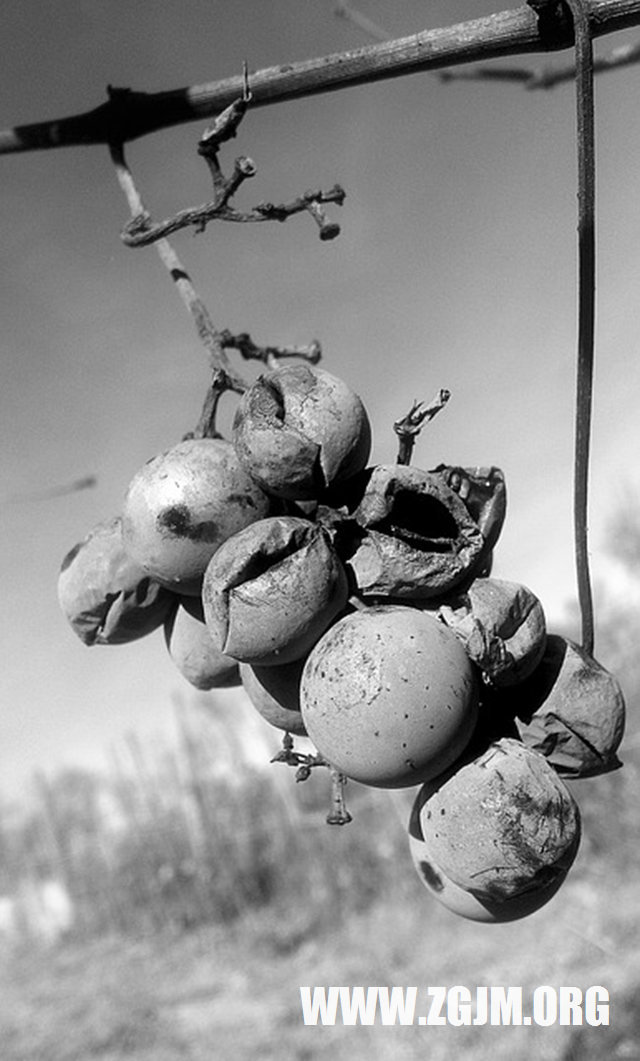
128	115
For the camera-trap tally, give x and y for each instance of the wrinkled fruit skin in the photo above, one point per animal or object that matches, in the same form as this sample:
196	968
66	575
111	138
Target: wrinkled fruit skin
106	596
484	493
389	697
502	628
419	540
465	903
571	710
501	827
191	648
298	430
275	694
272	589
182	505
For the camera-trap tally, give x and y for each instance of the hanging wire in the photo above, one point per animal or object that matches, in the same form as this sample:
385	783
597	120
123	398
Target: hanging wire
586	309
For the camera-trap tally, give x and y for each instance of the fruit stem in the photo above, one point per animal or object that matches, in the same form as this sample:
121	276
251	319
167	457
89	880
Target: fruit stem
209	335
409	426
338	815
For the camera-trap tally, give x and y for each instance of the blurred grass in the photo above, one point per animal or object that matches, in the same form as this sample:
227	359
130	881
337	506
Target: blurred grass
232	991
209	889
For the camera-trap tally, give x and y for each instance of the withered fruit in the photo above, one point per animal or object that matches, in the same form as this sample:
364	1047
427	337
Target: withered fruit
182	505
106	596
389	696
272	589
501	626
484	492
298	430
571	710
420	540
191	648
275	694
464	902
502	827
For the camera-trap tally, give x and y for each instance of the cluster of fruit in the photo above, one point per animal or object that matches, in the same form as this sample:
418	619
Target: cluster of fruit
355	605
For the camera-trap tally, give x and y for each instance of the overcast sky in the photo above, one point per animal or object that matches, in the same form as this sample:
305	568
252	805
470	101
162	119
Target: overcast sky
455	268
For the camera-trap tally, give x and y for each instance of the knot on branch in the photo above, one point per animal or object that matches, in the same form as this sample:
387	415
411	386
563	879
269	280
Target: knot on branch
555	22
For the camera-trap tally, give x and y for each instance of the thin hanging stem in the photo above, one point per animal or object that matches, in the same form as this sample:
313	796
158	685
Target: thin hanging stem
586	309
208	333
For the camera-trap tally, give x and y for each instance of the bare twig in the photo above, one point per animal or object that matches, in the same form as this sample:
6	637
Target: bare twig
270	355
128	114
140	232
409	427
207	331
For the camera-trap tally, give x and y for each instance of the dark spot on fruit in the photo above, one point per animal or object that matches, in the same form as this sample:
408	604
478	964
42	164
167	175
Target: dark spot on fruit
70	557
442	810
432	877
177	520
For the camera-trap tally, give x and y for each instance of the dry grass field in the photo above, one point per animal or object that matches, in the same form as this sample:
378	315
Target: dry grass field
220	894
232	990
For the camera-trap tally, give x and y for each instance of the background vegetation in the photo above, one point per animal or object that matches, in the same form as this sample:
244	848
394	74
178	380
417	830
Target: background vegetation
206	888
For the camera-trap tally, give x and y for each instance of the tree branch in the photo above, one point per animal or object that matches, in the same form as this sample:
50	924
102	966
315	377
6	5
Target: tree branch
128	115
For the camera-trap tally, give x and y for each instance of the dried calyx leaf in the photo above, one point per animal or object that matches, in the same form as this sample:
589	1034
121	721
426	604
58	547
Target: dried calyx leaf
484	492
106	596
502	627
571	710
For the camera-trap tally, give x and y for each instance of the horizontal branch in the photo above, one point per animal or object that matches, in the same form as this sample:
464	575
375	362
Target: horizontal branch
128	115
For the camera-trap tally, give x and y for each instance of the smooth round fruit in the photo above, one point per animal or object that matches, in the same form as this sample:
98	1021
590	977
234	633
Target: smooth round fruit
271	590
107	598
182	505
297	430
501	626
501	826
191	648
275	694
389	696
